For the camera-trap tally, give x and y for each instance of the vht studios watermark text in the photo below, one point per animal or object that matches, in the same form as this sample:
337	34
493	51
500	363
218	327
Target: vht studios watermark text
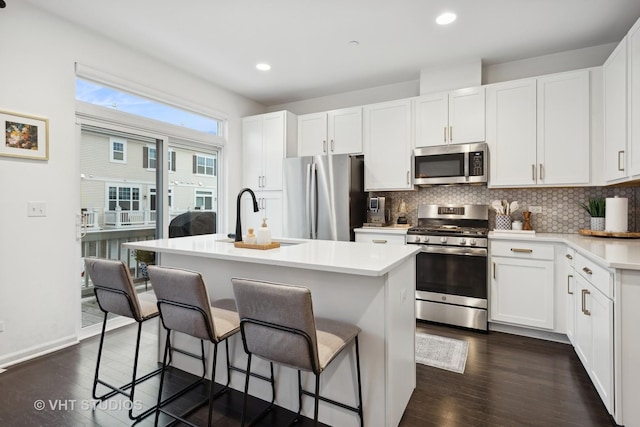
85	405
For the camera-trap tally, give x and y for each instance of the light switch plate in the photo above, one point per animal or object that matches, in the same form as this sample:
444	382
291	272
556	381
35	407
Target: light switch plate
36	209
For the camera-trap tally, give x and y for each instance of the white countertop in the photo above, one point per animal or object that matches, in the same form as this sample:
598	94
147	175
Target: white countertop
365	259
606	251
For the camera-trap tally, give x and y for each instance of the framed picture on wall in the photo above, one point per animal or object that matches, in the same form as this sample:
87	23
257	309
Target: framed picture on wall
24	136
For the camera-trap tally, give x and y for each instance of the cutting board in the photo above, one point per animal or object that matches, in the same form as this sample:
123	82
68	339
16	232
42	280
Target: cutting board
619	234
271	245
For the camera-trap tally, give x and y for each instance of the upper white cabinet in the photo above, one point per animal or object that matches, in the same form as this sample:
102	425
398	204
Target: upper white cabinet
387	146
264	144
450	117
332	132
511	132
615	113
539	131
633	70
563	137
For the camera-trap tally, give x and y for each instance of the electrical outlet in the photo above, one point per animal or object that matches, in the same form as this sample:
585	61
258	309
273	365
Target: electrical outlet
36	209
535	209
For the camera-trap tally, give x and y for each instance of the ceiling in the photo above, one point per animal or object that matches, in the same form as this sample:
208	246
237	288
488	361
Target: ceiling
307	42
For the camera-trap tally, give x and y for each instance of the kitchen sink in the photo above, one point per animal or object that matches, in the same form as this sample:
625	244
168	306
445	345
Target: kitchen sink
282	243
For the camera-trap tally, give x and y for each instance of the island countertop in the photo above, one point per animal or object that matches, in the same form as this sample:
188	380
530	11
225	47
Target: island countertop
365	259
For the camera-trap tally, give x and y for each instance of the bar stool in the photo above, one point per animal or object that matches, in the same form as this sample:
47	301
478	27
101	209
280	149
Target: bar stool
277	324
185	307
115	293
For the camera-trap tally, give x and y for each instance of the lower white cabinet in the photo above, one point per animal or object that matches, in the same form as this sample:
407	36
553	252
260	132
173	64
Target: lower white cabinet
382	237
593	334
522	284
270	207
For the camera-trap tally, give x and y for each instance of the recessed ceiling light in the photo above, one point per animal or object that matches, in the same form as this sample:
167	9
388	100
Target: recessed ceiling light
263	66
446	18
354	43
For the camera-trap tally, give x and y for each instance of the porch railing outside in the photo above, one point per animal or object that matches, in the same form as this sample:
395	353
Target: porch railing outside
119	218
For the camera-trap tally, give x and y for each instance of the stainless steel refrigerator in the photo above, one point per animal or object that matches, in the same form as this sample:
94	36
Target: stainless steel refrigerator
324	197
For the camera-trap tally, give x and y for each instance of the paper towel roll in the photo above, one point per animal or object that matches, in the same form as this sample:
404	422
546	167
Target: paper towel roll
616	214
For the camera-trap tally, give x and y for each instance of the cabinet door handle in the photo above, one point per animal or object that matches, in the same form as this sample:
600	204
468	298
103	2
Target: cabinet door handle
584	302
445	134
533	172
587	270
494	270
569	277
451	133
379	241
324	145
568	256
620	168
333	146
408	177
522	251
541	172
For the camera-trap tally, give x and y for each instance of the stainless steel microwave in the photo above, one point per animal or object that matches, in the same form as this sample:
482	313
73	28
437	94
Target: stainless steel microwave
451	164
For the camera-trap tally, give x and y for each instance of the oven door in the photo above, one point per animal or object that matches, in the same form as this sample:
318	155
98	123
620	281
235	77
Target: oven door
452	271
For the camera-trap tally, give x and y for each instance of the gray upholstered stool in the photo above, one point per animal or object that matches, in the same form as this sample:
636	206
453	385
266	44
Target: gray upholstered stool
116	294
277	324
185	307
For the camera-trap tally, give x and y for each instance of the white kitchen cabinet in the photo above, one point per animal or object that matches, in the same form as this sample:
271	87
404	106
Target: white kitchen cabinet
450	117
571	294
270	207
563	135
265	139
633	71
594	337
381	236
522	284
332	132
511	132
387	146
541	138
615	113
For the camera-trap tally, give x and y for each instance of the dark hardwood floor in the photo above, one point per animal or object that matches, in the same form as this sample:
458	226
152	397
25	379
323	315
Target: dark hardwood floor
508	381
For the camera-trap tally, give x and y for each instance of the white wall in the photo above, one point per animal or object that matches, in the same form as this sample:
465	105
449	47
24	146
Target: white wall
39	257
548	64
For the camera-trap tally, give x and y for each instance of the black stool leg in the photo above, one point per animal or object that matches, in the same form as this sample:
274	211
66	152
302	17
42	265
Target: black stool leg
167	347
360	410
95	377
246	391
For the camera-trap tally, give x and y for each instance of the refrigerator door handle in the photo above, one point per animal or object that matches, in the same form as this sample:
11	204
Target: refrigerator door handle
307	201
313	194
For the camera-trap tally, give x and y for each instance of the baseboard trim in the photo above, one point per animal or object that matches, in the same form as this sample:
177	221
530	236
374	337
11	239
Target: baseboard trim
527	332
37	351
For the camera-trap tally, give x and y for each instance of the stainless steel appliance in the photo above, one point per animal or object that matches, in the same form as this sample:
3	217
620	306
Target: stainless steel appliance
451	164
378	212
451	269
324	197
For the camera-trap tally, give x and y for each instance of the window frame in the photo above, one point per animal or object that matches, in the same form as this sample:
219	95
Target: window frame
118	186
112	151
196	195
205	157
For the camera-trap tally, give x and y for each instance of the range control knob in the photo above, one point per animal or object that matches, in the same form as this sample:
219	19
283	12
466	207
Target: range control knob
417	240
472	242
463	241
443	240
425	239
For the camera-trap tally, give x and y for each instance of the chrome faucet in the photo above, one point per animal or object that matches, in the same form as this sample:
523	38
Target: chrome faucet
255	209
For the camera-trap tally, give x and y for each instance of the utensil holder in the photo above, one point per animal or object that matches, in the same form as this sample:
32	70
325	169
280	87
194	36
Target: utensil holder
503	222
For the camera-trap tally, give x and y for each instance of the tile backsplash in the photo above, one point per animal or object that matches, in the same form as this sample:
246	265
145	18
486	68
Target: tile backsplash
561	212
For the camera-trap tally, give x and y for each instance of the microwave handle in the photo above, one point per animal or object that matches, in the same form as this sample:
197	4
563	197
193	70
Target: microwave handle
466	166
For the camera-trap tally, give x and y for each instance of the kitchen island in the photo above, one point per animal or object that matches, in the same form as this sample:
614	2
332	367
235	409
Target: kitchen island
369	285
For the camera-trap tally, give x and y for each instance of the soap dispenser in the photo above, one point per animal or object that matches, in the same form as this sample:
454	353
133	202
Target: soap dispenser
264	234
250	238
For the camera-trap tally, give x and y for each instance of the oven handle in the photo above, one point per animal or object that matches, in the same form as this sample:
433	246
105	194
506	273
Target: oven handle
450	250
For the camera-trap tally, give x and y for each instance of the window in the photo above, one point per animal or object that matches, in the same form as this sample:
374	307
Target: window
204	200
172	161
103	96
153	199
149	157
118	150
204	165
127	197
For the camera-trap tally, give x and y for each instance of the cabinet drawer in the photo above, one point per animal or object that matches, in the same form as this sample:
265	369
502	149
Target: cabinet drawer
520	249
570	256
381	238
595	274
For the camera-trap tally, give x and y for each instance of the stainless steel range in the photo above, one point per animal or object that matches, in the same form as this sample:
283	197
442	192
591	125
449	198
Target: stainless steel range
451	270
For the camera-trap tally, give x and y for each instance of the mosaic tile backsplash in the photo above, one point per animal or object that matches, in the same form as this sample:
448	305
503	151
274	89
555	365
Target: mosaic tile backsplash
561	212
